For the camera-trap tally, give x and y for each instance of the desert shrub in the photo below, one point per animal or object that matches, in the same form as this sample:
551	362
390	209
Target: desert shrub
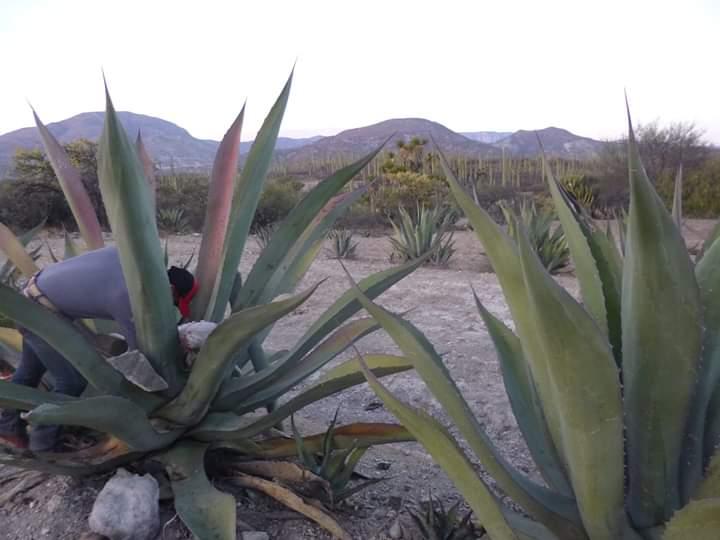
186	193
360	217
700	190
342	245
277	199
405	190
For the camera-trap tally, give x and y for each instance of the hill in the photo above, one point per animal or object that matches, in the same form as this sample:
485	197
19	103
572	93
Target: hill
359	141
168	144
487	137
556	141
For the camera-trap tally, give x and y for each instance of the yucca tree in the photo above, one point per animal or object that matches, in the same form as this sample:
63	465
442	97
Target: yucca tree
204	408
617	395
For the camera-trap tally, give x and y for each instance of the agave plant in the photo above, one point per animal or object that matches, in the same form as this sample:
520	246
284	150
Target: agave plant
426	231
435	522
263	234
335	466
546	240
342	245
617	396
172	220
205	410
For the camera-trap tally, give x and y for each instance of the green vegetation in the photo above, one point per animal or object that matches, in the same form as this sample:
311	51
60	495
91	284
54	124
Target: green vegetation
342	244
616	395
546	239
425	231
435	522
201	409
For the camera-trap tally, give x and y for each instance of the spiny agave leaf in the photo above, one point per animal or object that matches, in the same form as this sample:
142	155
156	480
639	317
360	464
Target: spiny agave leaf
598	272
677	199
710	486
556	511
71	183
108	414
11	337
262	387
231	426
293	226
710	240
577	381
65	339
15	252
524	401
215	360
699	520
446	452
207	512
217	214
245	199
148	167
662	327
527	529
24	398
132	219
697	450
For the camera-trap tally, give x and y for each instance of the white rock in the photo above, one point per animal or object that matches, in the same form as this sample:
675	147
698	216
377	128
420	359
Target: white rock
127	508
255	535
194	334
395	531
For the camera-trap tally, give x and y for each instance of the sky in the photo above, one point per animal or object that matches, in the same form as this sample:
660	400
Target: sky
479	65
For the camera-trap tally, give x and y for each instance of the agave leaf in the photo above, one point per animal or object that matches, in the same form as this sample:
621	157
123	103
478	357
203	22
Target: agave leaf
699	520
16	396
578	382
15	252
215	359
597	265
710	240
360	435
446	452
231	426
207	512
523	400
108	414
710	486
11	337
65	339
260	388
661	338
293	226
71	183
217	214
132	219
245	199
677	199
556	511
697	450
527	529
148	167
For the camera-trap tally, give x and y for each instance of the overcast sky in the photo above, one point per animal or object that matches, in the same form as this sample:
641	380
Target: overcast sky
470	65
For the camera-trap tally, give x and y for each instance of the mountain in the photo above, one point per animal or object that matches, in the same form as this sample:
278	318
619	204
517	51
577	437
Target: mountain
487	137
168	144
360	141
556	141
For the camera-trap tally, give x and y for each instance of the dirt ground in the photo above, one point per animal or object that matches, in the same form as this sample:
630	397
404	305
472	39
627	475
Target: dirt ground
443	309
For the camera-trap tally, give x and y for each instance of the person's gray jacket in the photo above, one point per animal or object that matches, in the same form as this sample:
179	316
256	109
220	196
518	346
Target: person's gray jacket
90	286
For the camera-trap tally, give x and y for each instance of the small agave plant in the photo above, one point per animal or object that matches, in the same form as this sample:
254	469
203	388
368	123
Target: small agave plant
617	396
205	411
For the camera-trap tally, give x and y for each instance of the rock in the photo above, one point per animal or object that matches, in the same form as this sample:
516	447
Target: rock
374	404
127	508
92	536
382	465
462	224
254	535
194	334
395	531
53	504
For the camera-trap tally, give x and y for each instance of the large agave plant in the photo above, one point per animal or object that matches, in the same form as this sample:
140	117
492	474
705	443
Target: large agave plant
617	395
205	408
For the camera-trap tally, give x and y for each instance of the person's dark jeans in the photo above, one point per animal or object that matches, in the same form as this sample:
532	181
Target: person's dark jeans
37	358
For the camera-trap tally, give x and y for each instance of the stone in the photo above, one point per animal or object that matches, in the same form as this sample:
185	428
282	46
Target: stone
396	531
193	335
127	508
255	535
383	465
92	536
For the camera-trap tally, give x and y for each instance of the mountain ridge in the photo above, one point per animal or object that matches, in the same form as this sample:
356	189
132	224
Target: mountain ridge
172	146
